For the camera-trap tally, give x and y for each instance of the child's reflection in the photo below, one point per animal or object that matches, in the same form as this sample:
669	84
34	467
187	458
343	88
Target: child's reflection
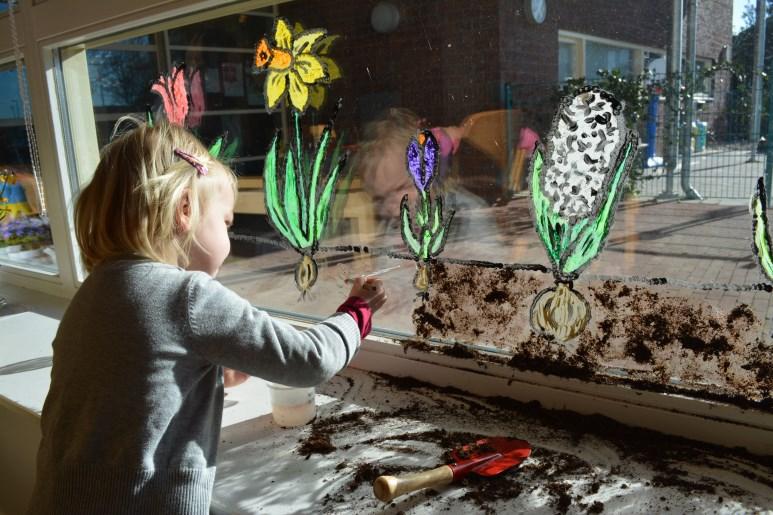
380	161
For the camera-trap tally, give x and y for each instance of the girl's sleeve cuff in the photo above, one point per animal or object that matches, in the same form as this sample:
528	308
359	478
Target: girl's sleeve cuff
360	311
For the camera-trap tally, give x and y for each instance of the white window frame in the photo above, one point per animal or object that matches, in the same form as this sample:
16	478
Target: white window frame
69	24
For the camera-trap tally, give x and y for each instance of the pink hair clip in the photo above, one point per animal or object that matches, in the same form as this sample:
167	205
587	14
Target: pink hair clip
198	165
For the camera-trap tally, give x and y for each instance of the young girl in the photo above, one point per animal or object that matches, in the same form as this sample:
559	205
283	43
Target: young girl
132	419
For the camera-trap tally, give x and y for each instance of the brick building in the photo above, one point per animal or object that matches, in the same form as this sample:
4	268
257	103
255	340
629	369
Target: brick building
448	59
462	51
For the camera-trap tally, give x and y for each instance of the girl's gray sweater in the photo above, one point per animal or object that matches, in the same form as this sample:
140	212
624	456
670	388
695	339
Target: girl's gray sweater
132	420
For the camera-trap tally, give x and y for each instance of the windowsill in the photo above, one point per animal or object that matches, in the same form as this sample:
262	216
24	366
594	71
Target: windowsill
259	466
36	268
703	420
374	424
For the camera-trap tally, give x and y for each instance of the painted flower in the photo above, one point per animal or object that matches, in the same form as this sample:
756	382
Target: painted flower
198	99
585	135
577	180
422	159
321	48
171	88
293	65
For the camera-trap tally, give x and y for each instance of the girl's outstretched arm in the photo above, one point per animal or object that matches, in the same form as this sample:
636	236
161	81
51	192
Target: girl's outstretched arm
226	329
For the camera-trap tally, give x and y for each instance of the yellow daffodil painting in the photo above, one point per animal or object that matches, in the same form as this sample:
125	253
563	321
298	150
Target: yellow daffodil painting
322	49
296	65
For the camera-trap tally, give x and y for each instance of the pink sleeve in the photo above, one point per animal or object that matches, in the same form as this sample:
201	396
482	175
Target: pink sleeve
527	139
447	144
360	311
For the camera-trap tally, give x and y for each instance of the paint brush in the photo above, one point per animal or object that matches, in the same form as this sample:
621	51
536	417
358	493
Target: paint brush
350	280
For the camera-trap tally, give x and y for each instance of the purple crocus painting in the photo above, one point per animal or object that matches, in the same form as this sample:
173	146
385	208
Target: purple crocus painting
422	159
428	240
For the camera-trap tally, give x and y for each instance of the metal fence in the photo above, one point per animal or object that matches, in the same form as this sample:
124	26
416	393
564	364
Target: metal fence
723	163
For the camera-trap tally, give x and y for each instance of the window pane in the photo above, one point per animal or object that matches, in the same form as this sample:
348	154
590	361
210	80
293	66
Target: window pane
465	72
705	83
25	236
566	58
599	56
119	75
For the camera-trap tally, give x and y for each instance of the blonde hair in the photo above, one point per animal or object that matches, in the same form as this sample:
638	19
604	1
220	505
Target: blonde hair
131	204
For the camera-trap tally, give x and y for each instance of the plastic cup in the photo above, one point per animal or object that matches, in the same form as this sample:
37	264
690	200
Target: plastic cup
290	406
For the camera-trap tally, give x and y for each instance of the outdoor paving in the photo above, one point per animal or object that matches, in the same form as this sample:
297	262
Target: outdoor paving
726	174
695	242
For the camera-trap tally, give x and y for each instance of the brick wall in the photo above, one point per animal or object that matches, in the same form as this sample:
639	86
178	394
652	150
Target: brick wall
640	22
450	58
715	27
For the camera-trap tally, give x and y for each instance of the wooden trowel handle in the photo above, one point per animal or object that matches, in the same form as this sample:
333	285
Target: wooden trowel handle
387	488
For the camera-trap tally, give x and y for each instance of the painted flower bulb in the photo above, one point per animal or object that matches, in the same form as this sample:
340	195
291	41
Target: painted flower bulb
421	279
305	274
560	312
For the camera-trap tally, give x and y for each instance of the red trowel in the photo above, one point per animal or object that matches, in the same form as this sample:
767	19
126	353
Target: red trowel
486	457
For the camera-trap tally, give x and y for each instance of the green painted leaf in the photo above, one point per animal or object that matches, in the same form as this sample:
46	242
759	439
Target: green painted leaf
292	201
319	159
760	233
230	151
425	239
339	199
214	150
589	242
549	225
300	177
323	206
437	218
422	213
406	229
274	205
439	240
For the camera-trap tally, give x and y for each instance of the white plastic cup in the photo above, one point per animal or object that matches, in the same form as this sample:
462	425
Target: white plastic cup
290	406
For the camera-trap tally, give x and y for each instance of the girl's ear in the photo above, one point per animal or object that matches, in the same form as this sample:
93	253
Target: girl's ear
183	213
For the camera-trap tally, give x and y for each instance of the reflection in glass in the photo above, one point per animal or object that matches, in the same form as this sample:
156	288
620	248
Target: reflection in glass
224	88
25	236
488	81
599	56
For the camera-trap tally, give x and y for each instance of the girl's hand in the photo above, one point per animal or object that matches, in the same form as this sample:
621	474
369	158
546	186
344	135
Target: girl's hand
369	289
233	377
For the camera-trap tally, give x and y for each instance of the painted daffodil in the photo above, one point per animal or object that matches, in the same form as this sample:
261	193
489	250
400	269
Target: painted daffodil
293	64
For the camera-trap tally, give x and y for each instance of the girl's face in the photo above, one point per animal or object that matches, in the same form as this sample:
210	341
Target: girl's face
213	244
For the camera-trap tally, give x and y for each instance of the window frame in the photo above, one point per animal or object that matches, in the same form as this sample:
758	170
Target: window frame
580	41
58	27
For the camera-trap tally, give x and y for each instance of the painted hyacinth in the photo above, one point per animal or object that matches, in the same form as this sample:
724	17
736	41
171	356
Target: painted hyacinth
428	239
761	243
575	185
298	203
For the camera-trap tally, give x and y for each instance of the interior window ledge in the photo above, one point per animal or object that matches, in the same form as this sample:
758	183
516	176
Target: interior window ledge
19	299
697	419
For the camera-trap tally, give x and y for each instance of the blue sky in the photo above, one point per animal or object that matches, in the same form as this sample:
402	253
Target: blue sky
738	6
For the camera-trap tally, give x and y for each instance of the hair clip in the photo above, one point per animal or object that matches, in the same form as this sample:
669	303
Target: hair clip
198	165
